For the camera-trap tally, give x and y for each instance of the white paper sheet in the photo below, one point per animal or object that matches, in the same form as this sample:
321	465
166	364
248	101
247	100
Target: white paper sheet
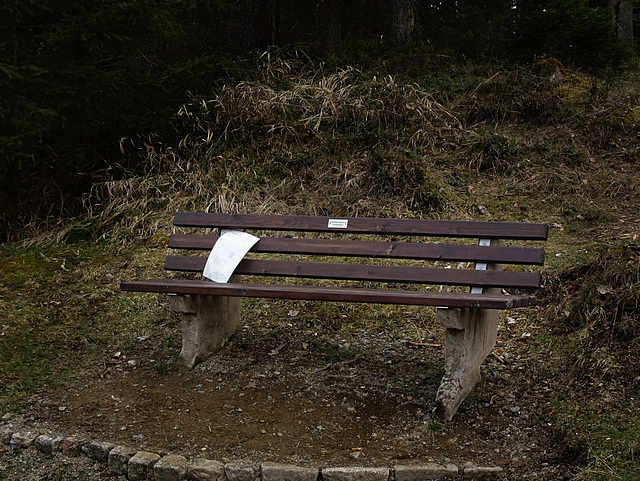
227	253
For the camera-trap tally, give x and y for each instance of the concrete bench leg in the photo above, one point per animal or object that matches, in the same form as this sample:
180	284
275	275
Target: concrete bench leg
470	336
207	323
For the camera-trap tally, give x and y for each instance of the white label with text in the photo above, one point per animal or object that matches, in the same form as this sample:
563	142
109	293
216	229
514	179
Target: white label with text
338	223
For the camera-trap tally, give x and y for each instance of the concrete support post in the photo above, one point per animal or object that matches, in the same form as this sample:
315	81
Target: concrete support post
470	336
207	323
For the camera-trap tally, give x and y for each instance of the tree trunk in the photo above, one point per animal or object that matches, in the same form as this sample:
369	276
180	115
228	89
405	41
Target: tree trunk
622	16
403	24
262	26
328	17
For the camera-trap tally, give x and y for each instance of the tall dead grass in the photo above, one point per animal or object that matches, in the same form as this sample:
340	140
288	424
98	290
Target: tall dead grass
295	143
301	139
317	103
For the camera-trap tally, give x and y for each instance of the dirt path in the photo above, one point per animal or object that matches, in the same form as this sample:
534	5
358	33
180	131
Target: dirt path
278	398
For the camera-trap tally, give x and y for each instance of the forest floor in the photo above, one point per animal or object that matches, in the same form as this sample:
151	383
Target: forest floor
329	384
307	396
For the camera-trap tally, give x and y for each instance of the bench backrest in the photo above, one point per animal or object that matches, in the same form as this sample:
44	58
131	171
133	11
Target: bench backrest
489	251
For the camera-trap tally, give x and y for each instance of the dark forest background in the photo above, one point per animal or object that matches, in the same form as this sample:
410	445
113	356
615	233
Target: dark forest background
79	77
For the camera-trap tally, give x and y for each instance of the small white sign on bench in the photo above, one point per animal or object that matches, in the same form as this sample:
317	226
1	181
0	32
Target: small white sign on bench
338	223
227	252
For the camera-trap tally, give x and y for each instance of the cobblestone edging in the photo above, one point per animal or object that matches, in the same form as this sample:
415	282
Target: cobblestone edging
139	465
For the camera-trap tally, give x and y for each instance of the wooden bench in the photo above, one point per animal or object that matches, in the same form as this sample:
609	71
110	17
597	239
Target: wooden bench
211	311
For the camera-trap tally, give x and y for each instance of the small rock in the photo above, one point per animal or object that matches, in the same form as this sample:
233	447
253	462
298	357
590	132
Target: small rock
48	444
205	470
98	450
355	473
425	471
357	454
279	472
5	435
170	468
23	440
140	465
119	458
72	446
241	472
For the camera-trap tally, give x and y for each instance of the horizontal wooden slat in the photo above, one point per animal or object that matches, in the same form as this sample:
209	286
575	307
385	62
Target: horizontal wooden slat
363	225
378	296
393	250
374	273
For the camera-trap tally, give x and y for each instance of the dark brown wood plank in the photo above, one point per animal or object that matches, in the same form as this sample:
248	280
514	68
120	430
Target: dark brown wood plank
363	225
393	250
373	273
185	263
317	293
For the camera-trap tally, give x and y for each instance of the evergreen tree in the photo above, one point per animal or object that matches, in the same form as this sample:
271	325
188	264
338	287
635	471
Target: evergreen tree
78	76
574	31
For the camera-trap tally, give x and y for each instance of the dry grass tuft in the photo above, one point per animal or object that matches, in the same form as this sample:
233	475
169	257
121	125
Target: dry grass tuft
309	142
602	296
319	104
301	139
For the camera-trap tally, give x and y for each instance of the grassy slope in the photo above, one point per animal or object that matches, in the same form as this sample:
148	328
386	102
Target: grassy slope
443	142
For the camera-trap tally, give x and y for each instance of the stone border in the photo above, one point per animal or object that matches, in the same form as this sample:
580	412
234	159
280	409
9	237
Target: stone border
138	465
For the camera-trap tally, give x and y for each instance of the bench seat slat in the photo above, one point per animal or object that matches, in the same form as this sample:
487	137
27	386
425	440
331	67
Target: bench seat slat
397	250
319	293
360	272
361	225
